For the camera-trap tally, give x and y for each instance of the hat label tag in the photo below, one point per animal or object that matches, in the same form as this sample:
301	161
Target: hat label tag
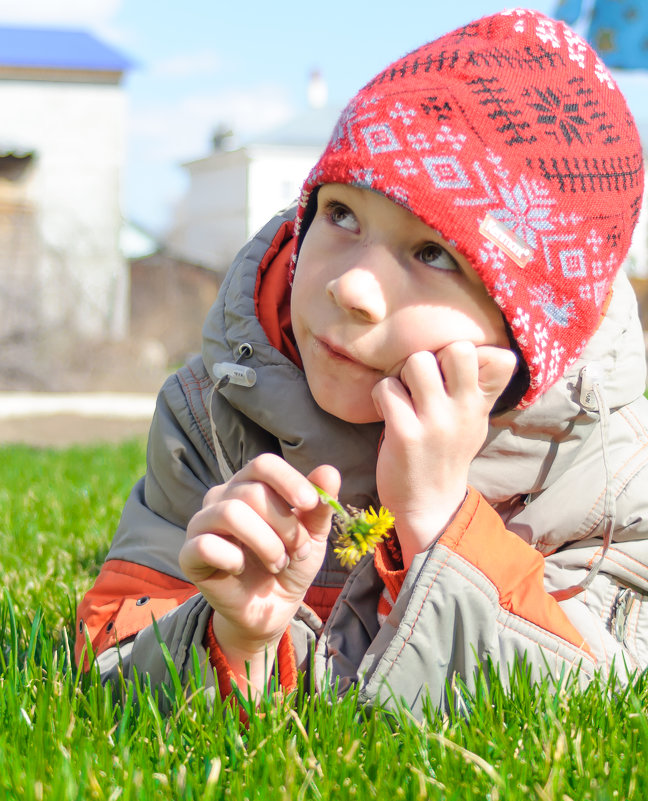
505	239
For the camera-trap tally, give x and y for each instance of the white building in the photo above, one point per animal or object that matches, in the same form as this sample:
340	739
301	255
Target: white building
61	150
636	264
232	193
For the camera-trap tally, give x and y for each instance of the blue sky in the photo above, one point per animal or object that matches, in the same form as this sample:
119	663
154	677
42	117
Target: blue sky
201	63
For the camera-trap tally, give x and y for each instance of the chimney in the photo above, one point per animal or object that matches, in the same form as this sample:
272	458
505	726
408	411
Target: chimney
317	90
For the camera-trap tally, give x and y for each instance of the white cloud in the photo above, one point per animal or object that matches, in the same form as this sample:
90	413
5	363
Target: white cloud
73	13
187	65
181	131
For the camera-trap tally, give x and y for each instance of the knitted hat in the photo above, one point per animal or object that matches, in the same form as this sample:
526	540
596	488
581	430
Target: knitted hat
509	137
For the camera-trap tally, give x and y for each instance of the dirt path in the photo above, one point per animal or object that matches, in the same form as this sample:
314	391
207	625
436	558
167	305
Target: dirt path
61	431
58	420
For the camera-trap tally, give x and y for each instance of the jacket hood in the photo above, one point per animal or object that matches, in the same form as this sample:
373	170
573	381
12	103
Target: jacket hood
534	462
546	437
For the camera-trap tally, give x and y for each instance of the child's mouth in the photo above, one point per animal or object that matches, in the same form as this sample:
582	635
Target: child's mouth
338	353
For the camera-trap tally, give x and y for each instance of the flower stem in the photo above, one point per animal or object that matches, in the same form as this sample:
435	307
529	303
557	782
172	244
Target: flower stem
326	498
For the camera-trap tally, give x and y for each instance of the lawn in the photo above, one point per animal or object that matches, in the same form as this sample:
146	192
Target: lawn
63	736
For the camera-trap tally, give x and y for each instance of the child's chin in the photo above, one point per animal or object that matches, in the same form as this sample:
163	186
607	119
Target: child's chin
349	412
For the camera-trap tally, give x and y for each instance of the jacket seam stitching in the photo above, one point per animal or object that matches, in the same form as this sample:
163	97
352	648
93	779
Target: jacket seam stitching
626	412
610	558
114	569
188	395
441	565
508	612
619	490
554	637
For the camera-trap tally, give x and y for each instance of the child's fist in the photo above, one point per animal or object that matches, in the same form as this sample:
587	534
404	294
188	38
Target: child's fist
436	419
255	547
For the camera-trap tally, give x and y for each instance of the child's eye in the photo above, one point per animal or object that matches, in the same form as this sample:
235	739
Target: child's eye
341	215
437	256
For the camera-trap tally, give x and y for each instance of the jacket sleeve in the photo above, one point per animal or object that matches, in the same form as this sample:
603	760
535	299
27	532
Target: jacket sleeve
475	597
141	577
188	636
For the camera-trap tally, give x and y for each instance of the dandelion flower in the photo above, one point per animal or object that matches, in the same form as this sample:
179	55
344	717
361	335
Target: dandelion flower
358	531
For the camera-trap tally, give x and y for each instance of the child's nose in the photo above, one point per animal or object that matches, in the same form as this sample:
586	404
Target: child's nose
359	291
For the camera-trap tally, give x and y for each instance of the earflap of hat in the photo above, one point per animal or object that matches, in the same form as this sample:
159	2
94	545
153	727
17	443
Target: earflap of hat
305	214
518	386
306	218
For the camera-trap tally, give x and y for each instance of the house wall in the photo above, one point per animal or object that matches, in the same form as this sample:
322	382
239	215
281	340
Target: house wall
231	195
76	131
209	224
19	252
169	302
637	261
275	178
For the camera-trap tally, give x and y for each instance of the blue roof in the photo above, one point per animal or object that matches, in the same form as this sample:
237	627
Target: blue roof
53	48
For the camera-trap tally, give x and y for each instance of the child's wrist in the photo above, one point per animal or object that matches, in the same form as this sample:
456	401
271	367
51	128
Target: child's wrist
419	531
251	660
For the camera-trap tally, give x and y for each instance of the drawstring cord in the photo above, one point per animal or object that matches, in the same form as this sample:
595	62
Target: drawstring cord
609	505
226	372
592	399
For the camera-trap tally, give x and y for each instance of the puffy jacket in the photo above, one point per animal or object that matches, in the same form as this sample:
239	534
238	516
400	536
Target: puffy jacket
558	499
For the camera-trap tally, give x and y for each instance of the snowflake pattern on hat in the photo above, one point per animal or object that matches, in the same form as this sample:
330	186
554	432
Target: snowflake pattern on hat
509	137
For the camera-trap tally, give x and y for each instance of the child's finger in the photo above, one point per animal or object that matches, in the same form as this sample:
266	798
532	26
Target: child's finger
318	520
459	366
206	554
270	469
237	519
393	401
422	377
274	510
496	368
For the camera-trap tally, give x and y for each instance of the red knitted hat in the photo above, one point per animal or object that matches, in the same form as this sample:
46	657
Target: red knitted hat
509	137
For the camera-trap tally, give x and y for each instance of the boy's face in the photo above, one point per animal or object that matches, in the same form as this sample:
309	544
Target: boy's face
374	285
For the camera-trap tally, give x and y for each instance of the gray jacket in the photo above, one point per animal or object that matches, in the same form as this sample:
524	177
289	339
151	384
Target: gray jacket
568	476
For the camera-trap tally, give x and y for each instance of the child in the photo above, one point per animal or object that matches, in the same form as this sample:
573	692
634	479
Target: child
442	329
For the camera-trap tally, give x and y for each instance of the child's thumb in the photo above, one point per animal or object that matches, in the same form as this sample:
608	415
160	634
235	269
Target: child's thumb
318	520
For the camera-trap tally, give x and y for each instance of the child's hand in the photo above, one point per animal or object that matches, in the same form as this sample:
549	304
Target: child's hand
253	551
436	420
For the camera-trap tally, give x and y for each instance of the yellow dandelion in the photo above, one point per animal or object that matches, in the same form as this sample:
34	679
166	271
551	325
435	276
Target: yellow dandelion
358	531
381	522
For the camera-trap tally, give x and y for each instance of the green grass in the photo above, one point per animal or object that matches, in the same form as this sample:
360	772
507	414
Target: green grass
58	510
63	736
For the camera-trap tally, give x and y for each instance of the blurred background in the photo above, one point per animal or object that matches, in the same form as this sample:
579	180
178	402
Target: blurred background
142	142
